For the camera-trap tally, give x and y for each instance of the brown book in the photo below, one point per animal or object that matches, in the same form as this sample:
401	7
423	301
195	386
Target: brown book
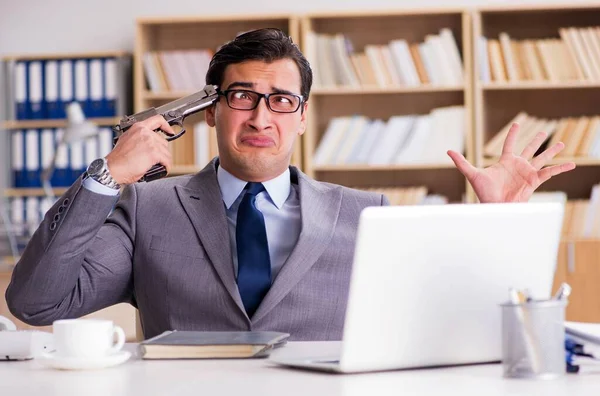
211	344
535	70
573	139
496	61
565	125
414	51
588	138
570	46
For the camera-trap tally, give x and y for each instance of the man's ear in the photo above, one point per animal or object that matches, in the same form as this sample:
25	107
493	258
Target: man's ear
209	115
302	126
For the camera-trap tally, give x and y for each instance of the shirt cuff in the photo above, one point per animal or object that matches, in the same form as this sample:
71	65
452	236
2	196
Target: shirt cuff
99	188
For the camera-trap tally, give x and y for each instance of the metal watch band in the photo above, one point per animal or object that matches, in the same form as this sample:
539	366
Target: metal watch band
105	178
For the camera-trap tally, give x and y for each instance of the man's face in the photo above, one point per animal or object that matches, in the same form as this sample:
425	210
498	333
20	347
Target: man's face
257	145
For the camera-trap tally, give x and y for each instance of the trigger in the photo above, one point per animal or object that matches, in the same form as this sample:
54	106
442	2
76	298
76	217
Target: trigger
178	131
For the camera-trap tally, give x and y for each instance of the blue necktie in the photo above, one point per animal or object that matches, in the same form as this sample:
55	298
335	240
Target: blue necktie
254	264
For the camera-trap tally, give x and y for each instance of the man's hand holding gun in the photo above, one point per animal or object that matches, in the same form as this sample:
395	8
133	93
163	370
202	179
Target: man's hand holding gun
142	152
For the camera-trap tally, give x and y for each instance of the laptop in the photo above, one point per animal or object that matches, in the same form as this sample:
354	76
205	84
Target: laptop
427	282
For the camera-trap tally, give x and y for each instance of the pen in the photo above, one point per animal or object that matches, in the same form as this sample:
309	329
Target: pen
563	292
517	298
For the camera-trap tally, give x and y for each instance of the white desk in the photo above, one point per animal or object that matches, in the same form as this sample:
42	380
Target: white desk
259	377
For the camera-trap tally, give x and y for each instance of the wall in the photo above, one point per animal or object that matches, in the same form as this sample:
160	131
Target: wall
30	26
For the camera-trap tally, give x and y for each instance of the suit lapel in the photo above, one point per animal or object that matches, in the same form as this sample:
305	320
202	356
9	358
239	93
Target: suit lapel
319	208
202	201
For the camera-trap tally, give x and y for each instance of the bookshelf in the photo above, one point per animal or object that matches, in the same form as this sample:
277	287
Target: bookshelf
122	314
402	95
547	82
38	89
169	38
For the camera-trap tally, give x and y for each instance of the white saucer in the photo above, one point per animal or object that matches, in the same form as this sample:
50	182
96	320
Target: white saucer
72	363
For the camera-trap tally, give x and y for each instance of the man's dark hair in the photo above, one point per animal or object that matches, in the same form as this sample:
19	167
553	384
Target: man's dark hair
265	45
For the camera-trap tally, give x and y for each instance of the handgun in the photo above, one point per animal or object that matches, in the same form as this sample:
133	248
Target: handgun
174	113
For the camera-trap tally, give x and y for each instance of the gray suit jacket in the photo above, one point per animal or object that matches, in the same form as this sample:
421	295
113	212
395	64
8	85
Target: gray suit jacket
165	249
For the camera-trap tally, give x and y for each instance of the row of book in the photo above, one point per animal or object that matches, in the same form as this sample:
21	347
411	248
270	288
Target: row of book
582	216
176	70
581	135
436	60
417	195
32	151
41	89
403	139
575	56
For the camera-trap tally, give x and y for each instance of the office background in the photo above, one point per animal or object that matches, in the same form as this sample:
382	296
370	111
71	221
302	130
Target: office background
68	26
34	26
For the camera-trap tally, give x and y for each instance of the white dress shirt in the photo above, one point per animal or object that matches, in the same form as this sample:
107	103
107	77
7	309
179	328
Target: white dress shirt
279	204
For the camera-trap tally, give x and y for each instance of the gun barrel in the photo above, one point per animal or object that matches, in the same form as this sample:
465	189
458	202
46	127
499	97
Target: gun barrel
207	92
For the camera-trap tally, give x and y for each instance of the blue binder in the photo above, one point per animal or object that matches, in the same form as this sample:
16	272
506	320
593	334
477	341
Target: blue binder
110	87
51	91
66	82
17	158
21	90
96	84
37	109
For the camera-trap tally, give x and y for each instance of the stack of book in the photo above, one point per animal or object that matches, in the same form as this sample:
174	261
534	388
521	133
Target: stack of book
575	56
176	70
581	135
436	60
403	139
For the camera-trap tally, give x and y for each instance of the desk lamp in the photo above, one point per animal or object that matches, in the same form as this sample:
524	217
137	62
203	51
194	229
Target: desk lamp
78	128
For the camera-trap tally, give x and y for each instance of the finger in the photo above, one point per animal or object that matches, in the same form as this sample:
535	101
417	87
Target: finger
542	159
534	145
511	138
468	170
158	122
166	158
554	170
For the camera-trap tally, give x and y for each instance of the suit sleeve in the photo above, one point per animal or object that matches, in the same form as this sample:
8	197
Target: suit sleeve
78	261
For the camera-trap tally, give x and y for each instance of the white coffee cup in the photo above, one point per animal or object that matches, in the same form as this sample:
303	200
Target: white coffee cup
86	338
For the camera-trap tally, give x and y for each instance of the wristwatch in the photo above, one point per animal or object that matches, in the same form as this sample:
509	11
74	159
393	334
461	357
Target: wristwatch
98	170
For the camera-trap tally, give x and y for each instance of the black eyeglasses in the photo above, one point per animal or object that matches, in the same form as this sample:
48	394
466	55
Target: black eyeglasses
242	99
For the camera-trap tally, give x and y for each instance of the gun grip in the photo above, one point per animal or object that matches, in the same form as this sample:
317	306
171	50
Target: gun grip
158	171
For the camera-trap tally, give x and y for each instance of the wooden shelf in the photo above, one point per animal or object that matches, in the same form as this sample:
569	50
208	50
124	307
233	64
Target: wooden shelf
375	102
40	124
32	192
194	33
369	168
542	85
579	161
204	19
389	90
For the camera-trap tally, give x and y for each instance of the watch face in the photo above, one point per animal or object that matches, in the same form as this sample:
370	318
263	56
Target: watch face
96	166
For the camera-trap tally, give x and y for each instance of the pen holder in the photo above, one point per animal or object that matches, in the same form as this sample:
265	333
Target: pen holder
533	336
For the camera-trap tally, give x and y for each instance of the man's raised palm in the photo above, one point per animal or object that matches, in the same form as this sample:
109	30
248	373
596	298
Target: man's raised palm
513	178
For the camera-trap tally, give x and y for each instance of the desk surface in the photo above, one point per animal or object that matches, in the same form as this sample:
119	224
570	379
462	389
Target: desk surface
260	377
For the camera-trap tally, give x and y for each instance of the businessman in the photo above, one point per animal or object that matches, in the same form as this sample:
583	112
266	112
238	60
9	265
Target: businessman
249	242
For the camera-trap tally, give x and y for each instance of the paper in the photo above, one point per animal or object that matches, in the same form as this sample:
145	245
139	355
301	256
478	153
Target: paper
585	331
